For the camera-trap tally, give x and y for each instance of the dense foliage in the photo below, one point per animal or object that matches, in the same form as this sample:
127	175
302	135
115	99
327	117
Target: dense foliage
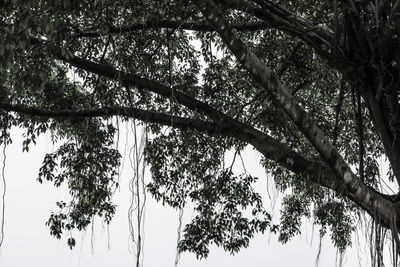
312	85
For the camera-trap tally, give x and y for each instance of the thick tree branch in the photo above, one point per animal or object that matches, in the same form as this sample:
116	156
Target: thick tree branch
280	95
132	80
272	149
131	112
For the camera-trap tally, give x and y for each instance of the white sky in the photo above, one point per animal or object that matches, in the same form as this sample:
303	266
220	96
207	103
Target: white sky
28	242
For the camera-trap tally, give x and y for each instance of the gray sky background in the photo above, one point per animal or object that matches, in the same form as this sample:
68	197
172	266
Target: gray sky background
28	243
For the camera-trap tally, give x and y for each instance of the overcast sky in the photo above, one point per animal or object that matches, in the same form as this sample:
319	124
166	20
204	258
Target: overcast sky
27	241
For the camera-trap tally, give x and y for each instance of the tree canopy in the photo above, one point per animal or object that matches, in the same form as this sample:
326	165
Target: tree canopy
311	85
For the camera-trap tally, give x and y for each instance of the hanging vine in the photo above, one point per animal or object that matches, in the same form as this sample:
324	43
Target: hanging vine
5	139
137	187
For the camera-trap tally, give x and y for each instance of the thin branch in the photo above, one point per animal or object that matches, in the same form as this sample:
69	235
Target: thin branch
321	39
201	26
283	19
356	101
286	62
336	22
338	110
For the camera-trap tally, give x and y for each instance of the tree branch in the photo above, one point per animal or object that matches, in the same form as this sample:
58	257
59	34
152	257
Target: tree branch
183	25
322	40
280	95
143	115
310	171
132	80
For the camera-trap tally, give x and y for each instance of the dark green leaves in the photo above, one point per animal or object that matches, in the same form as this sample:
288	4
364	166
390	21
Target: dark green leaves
89	167
335	217
187	167
292	213
229	213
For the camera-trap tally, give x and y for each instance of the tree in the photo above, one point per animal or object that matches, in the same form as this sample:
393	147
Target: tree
311	85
